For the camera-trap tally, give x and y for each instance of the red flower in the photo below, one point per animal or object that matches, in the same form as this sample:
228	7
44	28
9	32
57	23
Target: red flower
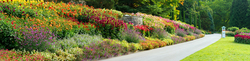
12	22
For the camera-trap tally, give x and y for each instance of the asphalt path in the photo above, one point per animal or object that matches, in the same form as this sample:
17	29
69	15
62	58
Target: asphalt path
170	53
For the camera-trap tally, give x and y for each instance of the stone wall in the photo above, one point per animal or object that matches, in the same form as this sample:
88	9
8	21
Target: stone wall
136	20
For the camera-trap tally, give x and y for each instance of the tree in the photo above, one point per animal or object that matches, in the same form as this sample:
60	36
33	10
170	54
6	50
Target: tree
238	14
195	20
109	4
221	13
212	26
190	19
163	8
199	21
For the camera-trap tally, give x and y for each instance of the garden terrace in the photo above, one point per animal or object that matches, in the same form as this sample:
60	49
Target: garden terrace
60	31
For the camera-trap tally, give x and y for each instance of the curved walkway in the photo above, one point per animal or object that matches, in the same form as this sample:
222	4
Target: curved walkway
170	53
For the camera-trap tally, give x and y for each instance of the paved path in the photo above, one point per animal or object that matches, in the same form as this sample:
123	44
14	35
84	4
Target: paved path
170	53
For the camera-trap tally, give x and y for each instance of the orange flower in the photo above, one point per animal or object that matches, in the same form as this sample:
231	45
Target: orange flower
43	26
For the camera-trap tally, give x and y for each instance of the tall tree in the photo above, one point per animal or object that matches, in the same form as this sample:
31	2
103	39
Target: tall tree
195	20
239	13
199	21
212	26
221	13
190	19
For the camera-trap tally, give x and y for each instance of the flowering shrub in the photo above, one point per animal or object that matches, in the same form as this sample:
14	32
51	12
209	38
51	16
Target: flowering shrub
131	35
181	32
35	39
178	39
169	28
202	35
7	55
151	43
159	33
169	41
242	39
242	31
77	41
144	29
188	38
72	54
196	36
107	48
197	31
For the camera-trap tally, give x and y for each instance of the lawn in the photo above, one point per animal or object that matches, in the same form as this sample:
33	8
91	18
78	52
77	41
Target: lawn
223	50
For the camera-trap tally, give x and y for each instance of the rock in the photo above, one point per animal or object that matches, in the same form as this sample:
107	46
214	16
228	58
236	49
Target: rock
136	20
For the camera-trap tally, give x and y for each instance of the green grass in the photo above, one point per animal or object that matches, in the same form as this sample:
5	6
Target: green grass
223	50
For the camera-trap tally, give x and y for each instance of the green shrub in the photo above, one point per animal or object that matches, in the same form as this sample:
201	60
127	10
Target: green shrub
169	41
230	33
244	28
7	35
233	29
77	41
170	29
102	3
71	54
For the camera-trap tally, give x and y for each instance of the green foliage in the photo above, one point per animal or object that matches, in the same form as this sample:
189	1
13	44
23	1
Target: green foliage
62	55
7	35
221	12
212	26
195	21
233	29
169	29
109	4
190	19
238	14
161	8
199	22
169	41
244	28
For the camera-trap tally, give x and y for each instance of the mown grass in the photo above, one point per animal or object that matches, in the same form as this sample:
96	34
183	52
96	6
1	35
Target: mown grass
223	50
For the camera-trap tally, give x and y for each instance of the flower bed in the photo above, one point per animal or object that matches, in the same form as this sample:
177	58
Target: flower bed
59	32
241	38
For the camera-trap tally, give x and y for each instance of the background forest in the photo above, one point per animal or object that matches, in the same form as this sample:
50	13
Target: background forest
209	15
